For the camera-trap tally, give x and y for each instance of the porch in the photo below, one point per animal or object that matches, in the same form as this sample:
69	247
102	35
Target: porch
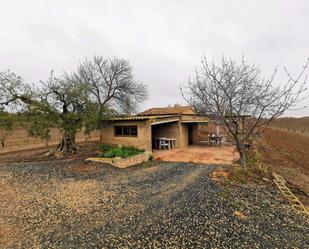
199	154
175	134
167	133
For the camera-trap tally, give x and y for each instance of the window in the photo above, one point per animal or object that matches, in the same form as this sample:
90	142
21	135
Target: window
118	131
125	131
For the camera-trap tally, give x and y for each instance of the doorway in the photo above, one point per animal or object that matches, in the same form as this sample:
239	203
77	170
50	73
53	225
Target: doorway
190	134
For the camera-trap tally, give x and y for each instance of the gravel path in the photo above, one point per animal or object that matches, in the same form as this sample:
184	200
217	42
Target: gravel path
70	204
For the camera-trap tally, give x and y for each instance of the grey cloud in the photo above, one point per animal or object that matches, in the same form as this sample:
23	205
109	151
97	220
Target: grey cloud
163	40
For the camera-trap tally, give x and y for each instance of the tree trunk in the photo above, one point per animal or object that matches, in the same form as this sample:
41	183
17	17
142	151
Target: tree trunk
67	144
101	123
101	134
242	154
2	142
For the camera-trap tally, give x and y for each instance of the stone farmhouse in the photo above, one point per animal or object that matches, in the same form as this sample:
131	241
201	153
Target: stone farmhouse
179	124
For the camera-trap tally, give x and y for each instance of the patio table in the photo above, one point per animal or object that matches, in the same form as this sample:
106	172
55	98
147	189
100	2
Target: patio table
170	141
217	138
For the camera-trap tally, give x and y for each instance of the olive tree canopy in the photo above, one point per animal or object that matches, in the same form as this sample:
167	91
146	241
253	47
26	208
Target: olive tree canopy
82	99
11	88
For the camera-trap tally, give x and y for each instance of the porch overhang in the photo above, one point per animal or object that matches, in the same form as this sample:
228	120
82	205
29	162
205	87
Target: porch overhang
194	121
165	121
143	118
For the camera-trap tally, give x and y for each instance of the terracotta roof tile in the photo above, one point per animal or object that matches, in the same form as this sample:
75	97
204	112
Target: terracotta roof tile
177	110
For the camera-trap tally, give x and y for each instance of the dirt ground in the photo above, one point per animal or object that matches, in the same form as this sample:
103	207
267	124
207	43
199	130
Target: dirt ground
199	154
72	204
68	203
33	154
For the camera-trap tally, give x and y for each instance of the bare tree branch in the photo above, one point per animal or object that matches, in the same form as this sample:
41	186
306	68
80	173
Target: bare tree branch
229	92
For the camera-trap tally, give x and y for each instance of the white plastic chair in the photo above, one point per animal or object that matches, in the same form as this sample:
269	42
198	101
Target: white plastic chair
213	141
164	144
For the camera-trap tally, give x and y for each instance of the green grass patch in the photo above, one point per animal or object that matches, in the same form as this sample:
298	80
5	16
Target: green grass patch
224	193
110	151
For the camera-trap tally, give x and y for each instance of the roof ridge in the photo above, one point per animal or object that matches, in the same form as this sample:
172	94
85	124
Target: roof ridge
168	110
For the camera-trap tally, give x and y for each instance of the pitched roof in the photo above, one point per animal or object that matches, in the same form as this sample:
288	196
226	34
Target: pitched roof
176	110
140	117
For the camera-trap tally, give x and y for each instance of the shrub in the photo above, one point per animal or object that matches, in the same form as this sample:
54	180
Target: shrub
110	151
106	147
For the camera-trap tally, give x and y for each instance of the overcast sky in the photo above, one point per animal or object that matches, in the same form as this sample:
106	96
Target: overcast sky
163	40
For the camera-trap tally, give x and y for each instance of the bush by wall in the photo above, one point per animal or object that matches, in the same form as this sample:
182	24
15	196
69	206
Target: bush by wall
109	151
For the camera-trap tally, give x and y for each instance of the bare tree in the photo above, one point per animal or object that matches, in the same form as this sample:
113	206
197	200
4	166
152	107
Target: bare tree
112	86
230	92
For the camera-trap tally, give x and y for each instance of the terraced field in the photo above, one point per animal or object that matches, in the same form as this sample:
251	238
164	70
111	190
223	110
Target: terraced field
287	153
20	140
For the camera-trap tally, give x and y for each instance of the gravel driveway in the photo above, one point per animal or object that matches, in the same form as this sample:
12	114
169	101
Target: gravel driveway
70	204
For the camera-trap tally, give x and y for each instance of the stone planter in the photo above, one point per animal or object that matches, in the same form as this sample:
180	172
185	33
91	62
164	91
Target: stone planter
122	162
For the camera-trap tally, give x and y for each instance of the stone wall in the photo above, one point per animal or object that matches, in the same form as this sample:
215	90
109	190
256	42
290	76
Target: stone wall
122	162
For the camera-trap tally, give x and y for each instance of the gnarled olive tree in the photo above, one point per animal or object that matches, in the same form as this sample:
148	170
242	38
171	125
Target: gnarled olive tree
85	98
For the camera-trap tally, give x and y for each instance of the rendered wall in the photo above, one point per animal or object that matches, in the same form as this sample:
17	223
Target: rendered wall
183	136
142	141
146	134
